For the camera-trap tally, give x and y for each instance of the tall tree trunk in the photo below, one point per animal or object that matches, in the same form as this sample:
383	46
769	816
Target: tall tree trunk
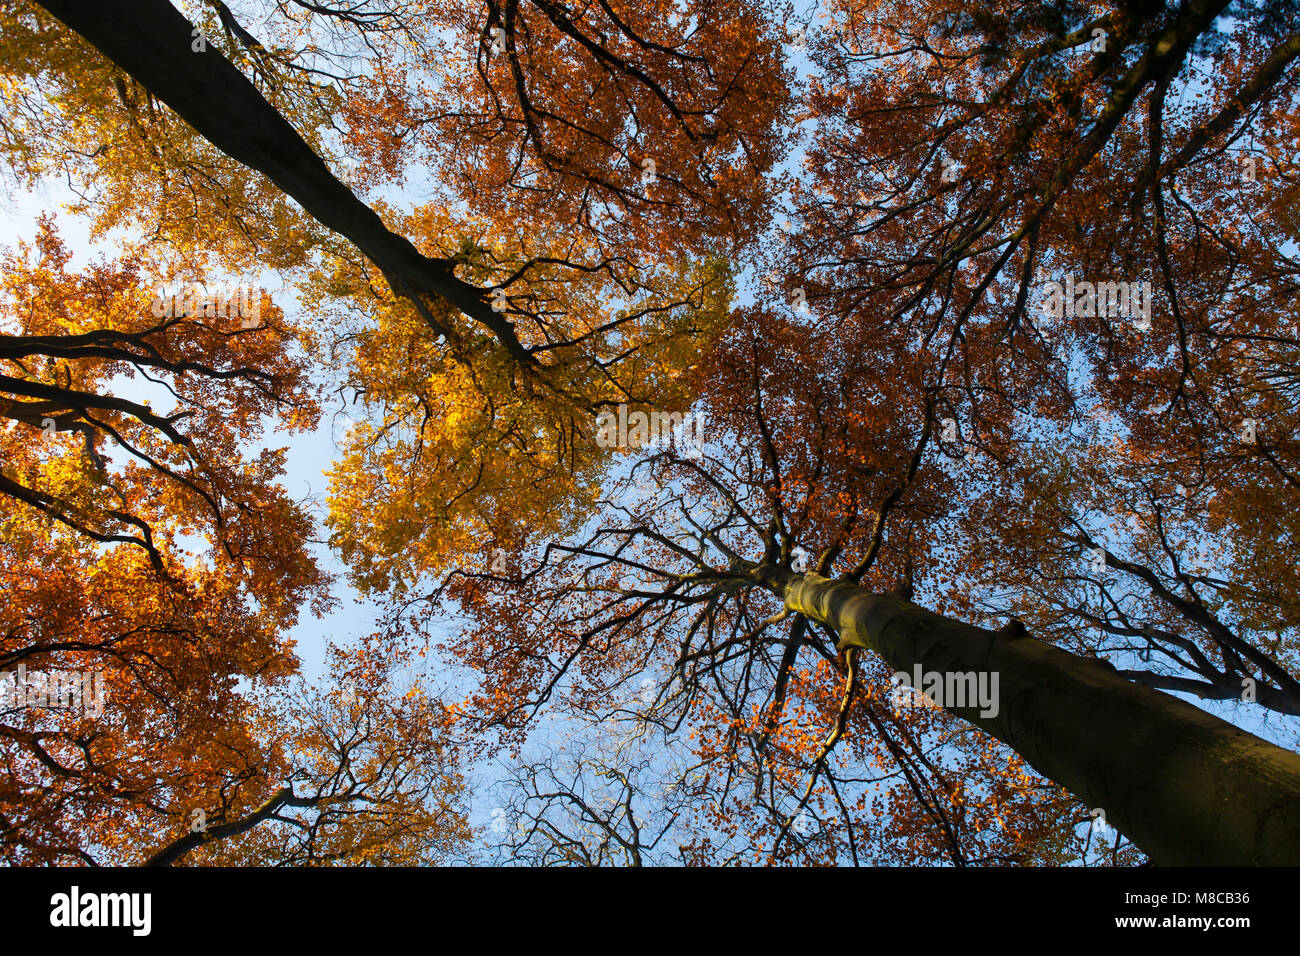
1184	786
152	42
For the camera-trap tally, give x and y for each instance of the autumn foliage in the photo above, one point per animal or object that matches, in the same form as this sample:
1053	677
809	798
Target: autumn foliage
989	309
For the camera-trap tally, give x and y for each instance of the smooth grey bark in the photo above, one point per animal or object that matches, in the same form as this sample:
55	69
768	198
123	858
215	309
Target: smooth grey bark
1186	787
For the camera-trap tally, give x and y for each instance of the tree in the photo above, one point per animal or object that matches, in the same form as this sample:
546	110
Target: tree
155	44
457	437
697	600
1191	425
589	809
73	335
149	565
372	778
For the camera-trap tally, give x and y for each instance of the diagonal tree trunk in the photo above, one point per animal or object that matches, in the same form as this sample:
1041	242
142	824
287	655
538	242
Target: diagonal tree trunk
153	42
1183	785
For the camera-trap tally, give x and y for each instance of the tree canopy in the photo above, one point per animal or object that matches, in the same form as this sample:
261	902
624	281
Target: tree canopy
863	433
